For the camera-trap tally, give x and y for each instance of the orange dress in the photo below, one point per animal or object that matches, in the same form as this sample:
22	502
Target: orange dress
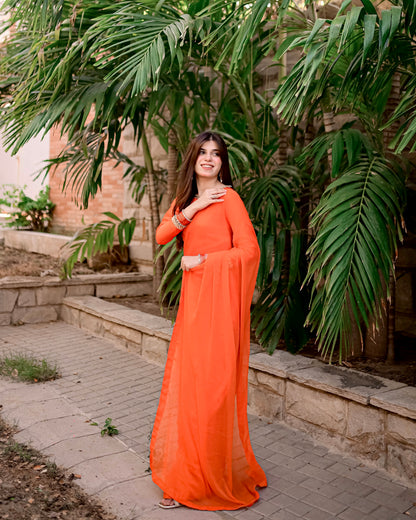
200	452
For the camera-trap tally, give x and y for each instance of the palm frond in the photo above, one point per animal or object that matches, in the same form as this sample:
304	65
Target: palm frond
171	284
97	238
358	224
137	51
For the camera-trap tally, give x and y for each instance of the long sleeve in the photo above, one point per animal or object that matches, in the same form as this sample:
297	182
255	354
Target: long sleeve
244	240
167	229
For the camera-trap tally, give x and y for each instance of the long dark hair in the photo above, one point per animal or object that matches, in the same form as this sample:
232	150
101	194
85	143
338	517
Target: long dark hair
187	188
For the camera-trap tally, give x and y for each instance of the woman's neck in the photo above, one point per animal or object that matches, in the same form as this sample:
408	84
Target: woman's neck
205	184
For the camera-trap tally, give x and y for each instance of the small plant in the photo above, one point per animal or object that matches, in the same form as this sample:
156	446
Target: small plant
25	453
109	428
28	213
98	238
27	368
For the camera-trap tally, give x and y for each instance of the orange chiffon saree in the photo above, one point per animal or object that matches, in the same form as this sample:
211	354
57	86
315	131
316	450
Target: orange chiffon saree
200	452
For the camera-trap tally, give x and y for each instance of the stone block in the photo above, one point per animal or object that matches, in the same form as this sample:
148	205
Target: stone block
40	314
8	298
280	363
252	377
401	430
365	426
80	290
264	403
344	382
363	421
27	298
112	290
70	315
401	401
5	318
133	347
50	295
119	342
154	349
141	251
271	382
120	331
401	461
91	323
324	410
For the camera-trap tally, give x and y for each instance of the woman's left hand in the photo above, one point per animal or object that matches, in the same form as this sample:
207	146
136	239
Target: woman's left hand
188	262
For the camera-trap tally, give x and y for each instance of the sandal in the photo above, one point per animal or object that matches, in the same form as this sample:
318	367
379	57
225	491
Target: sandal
172	505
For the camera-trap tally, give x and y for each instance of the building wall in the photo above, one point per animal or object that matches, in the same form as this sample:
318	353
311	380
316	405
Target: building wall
20	169
68	216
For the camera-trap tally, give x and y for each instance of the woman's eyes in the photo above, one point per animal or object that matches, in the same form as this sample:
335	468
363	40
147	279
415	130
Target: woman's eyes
202	152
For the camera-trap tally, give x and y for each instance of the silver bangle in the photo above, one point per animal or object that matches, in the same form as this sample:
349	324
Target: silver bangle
188	219
177	224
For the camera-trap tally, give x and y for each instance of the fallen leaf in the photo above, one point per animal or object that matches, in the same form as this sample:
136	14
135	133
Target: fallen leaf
77	476
31	500
38	467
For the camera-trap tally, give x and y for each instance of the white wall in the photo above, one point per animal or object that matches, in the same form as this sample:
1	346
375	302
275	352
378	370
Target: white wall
21	168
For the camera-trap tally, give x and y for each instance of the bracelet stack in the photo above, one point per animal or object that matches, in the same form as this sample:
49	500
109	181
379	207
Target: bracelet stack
180	220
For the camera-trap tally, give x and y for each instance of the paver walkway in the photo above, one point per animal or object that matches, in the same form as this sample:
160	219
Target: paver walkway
99	380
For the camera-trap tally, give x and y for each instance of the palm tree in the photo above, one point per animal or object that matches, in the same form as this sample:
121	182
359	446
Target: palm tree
143	64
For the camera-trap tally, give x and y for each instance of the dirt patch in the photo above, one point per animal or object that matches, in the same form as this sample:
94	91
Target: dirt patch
16	262
33	488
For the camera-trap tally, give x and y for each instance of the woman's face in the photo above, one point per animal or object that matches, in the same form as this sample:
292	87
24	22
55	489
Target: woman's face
208	163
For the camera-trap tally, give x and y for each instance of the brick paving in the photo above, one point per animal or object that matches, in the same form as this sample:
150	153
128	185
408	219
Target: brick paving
306	480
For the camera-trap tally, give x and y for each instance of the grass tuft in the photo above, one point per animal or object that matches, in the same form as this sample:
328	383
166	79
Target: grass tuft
27	368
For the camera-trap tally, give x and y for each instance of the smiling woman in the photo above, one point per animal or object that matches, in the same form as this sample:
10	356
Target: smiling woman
201	454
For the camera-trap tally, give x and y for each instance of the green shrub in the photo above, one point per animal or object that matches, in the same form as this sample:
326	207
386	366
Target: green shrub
27	213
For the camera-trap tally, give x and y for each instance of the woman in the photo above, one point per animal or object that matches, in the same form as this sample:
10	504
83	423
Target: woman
200	453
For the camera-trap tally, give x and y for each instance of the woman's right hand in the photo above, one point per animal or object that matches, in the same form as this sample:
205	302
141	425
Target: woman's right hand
210	196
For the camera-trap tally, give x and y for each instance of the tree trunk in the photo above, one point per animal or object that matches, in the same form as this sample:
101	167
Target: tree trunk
154	212
172	165
283	144
329	125
376	337
391	318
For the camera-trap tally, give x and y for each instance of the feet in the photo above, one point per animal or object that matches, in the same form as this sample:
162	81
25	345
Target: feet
169	503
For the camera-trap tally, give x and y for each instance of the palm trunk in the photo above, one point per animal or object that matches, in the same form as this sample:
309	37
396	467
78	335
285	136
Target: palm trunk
283	144
391	329
172	164
154	212
329	125
388	135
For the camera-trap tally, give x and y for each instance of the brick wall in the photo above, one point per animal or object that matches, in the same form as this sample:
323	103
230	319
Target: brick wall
68	217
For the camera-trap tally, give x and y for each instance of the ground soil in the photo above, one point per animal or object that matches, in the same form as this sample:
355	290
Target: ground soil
33	488
16	262
21	263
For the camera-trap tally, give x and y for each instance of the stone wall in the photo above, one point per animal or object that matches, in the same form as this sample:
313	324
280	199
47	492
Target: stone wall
37	300
35	241
370	417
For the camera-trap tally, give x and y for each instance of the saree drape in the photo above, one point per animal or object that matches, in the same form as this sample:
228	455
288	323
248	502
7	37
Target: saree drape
200	452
